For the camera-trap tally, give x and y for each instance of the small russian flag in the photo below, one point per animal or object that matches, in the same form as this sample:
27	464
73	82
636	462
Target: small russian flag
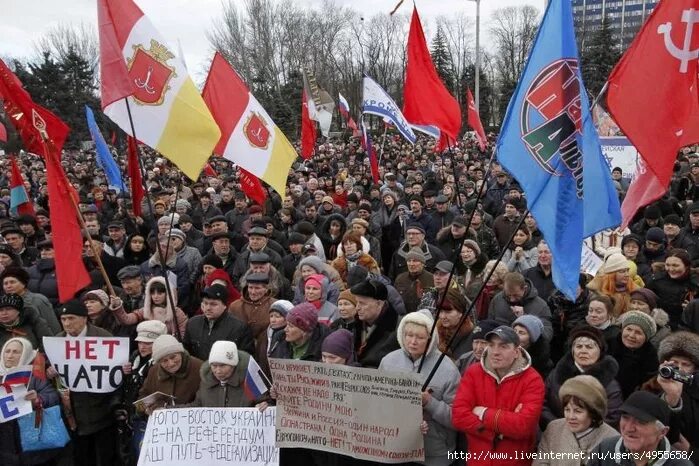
256	382
18	376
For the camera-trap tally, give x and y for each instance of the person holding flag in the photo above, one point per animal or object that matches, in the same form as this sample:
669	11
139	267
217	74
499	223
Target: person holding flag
20	203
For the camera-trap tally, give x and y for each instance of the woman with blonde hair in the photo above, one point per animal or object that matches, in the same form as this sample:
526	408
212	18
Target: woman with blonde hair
494	285
614	280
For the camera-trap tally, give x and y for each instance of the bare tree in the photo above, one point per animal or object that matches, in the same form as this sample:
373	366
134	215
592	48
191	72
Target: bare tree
458	30
65	38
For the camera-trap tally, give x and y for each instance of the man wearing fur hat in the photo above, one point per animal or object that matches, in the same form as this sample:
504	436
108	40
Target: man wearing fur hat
499	401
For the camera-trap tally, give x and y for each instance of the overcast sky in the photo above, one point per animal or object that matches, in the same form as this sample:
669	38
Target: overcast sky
22	22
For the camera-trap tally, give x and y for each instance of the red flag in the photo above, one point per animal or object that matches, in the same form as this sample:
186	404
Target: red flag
209	170
3	133
134	172
474	121
44	133
18	194
115	82
114	137
660	69
426	100
252	187
308	131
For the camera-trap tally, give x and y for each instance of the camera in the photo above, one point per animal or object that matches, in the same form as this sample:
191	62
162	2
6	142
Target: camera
674	373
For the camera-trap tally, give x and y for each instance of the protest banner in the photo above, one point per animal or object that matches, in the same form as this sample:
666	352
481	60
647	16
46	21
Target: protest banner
88	364
619	152
364	413
12	402
590	262
210	436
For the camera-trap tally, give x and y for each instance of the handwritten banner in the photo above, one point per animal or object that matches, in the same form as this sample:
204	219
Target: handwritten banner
363	413
590	262
210	436
88	364
12	402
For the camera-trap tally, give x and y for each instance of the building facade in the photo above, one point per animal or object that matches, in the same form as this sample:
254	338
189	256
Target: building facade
625	18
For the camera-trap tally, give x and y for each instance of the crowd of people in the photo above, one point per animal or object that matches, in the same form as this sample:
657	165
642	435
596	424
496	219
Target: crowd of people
440	256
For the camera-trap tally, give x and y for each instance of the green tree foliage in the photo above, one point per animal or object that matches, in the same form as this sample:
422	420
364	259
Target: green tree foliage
442	60
598	58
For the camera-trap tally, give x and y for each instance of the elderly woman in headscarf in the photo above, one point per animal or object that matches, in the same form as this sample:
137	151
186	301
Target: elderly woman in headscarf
415	344
614	280
17	352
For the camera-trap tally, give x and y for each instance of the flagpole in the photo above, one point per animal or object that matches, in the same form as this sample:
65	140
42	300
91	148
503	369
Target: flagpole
599	96
168	289
468	312
457	253
51	159
383	143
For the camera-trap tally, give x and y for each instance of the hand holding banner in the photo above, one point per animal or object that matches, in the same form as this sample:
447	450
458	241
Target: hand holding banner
12	402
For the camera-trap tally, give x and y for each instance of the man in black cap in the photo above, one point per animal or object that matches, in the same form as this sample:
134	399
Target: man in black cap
442	214
132	283
291	260
651	218
449	239
239	213
17	241
95	440
114	246
221	248
257	242
195	238
215	324
375	327
644	424
677	238
418	215
278	284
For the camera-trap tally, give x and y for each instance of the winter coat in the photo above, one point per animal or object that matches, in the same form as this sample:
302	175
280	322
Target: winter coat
433	255
242	263
43	307
605	371
565	316
201	333
176	265
672	293
530	257
513	406
411	288
10	440
343	265
690	317
503	229
635	366
278	285
485	237
213	393
140	366
500	310
441	437
182	385
606	450
336	284
540	352
381	341
254	314
30	326
542	282
93	411
42	280
282	349
428	224
330	244
449	245
558	438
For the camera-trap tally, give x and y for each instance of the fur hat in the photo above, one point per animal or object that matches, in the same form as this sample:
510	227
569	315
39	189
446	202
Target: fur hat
533	325
472	245
340	343
643	320
165	345
224	352
303	316
590	332
680	343
422	318
370	289
615	262
16	272
348	296
588	389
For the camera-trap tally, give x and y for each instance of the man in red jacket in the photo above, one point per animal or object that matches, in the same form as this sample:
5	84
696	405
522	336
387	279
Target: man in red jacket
499	402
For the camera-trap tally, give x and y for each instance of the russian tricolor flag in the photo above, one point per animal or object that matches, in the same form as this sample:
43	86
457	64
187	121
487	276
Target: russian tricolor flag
345	111
256	382
18	376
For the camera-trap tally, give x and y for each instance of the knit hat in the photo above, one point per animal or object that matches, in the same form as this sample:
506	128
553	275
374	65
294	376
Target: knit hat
588	389
672	219
680	343
656	235
177	233
149	330
643	320
587	331
282	306
615	262
99	295
645	295
348	296
422	318
317	279
165	345
482	328
183	203
415	254
312	261
340	343
415	226
224	352
169	219
472	245
303	316
12	300
73	307
533	325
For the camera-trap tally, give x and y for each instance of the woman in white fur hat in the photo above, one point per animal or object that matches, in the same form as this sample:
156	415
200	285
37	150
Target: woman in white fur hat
413	336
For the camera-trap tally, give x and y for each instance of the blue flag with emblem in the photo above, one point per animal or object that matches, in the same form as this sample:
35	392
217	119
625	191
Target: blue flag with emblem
104	157
549	144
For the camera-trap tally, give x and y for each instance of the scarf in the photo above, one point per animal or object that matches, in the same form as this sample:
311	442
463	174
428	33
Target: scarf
353	257
446	334
386	218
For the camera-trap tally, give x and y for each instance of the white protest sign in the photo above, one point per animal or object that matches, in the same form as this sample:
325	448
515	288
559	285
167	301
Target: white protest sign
12	402
88	364
619	152
209	437
590	262
364	413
